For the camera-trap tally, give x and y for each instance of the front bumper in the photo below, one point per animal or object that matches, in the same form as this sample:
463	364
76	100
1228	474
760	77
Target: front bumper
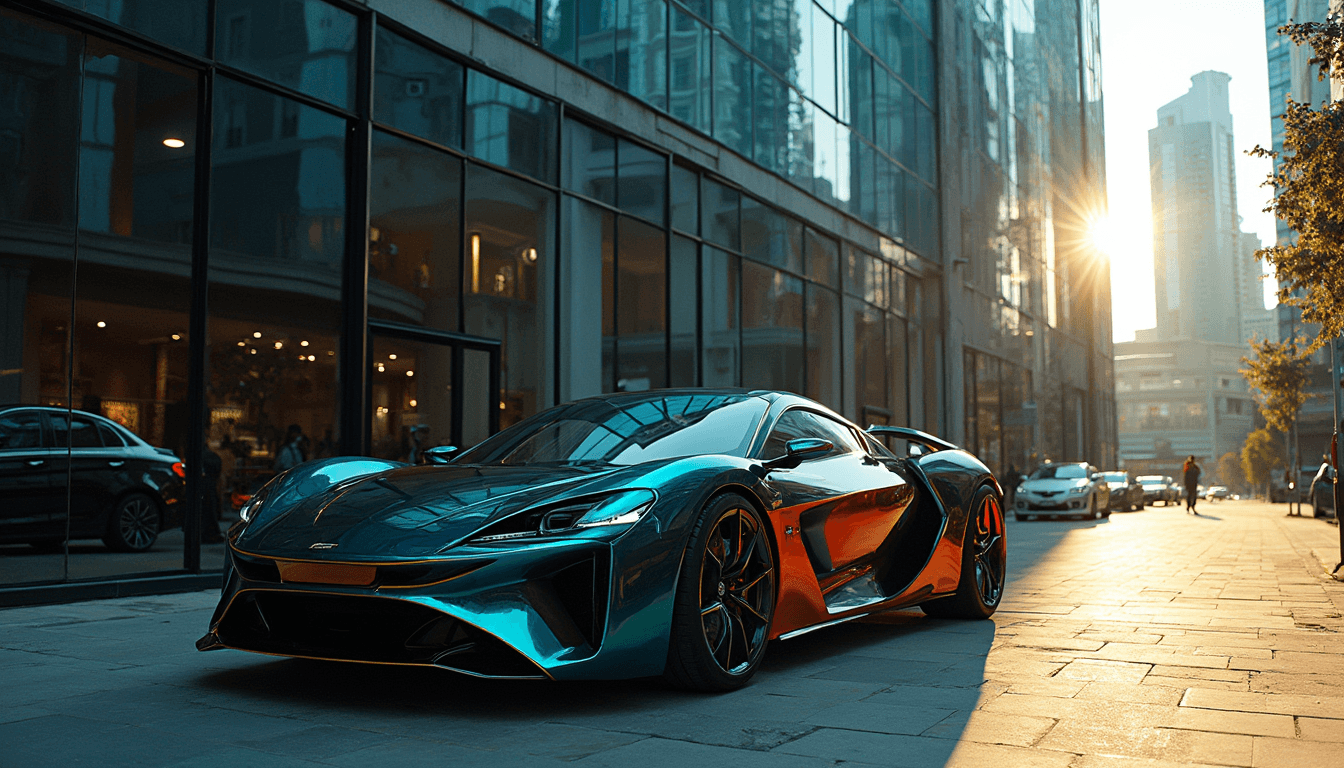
549	610
1064	504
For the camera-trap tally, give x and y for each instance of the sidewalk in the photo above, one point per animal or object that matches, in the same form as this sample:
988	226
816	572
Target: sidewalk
1153	639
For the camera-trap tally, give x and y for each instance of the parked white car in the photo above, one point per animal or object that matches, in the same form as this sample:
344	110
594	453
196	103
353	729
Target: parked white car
1063	489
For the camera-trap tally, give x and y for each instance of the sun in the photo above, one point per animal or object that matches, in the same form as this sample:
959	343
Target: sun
1106	236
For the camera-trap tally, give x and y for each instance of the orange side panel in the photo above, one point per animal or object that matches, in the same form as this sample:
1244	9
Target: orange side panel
800	604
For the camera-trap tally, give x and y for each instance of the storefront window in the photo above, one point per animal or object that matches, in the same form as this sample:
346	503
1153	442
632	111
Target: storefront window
508	282
682	294
307	46
823	346
641	51
590	162
587	343
643	182
772	329
510	127
691	84
641	306
732	95
719	303
276	243
411	397
866	337
770	237
417	91
719	215
415	243
179	23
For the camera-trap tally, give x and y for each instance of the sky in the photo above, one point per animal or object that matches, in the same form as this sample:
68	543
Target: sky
1149	50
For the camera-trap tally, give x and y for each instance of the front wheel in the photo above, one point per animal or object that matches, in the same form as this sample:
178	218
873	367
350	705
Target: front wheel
133	525
984	562
725	599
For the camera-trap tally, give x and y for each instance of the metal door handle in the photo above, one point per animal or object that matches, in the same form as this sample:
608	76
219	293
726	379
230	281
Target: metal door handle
115	463
36	462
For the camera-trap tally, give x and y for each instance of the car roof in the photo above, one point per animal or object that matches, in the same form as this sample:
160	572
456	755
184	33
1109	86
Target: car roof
764	394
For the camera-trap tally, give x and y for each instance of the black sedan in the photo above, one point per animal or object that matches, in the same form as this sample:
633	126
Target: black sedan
1321	495
118	488
1126	491
671	532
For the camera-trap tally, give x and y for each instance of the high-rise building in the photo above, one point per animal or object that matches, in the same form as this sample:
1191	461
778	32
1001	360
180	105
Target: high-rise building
385	225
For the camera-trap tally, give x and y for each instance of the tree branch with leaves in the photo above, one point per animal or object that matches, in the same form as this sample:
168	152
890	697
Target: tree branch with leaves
1278	376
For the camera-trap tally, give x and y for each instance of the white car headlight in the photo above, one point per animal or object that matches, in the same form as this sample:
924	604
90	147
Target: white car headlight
623	508
1079	489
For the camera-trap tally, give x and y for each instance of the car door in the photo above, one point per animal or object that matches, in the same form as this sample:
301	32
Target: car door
97	473
849	505
32	502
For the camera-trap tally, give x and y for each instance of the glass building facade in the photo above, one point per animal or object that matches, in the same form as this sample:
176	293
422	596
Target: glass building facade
248	232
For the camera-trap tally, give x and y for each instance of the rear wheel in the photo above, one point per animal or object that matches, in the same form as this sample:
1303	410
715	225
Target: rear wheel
984	561
133	525
725	599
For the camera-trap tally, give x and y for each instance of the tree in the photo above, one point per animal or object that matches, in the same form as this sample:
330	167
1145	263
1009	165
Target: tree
1230	473
1278	377
1260	456
1308	186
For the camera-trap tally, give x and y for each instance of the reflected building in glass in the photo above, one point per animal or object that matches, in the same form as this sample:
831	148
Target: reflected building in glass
250	233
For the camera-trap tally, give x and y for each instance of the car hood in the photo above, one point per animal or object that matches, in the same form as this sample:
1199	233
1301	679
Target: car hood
412	511
1052	485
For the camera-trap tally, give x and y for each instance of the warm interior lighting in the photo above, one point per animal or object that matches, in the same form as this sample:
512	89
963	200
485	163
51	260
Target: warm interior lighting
101	324
256	334
303	343
391	357
475	263
410	373
242	343
279	344
312	358
530	255
381	368
413	403
174	143
252	351
177	337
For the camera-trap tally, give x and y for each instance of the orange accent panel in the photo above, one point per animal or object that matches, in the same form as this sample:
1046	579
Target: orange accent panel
800	602
860	523
326	573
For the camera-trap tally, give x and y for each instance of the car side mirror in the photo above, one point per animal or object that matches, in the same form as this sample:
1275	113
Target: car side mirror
800	450
914	450
439	454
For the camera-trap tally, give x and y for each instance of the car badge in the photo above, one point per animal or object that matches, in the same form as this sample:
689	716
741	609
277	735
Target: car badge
321	545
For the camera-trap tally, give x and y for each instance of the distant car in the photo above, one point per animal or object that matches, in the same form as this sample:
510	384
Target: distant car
1176	490
1074	488
1217	492
1322	493
119	488
1156	488
1126	492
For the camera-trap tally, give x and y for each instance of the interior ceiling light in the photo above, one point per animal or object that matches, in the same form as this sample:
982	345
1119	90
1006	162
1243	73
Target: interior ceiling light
101	324
174	143
303	343
177	337
391	357
410	373
256	334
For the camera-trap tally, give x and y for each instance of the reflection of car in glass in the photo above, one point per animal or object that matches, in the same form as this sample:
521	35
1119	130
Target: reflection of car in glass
668	532
1063	489
121	489
1126	492
1157	488
1322	492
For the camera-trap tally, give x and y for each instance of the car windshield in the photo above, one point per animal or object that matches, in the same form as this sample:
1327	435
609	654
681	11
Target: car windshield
1060	472
628	430
1116	477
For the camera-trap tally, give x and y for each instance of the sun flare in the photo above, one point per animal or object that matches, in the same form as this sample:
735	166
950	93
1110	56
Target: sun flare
1108	238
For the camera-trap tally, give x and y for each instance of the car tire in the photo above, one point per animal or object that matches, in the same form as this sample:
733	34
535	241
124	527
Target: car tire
984	560
725	598
133	525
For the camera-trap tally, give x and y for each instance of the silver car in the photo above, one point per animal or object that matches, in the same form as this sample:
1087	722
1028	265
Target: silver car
1063	489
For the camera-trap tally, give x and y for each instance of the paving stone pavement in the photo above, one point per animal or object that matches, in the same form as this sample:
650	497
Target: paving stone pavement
1150	639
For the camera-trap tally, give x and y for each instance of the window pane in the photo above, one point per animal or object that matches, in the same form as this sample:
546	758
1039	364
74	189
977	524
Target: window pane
823	60
823	258
772	329
685	199
511	256
691	85
898	400
868	334
641	51
516	16
411	397
719	214
557	27
827	164
823	346
734	20
418	91
414	241
307	46
179	23
590	161
732	96
988	428
276	253
641	306
922	11
719	304
802	150
597	37
860	88
587	341
771	237
773	31
772	120
643	181
510	127
926	157
682	293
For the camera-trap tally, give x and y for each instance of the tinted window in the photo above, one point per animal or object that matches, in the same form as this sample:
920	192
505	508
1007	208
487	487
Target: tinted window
109	436
418	91
798	424
308	46
510	127
1060	472
79	429
20	430
628	430
1117	477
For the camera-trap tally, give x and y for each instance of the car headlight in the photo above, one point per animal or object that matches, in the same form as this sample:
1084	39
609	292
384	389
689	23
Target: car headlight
1080	489
622	510
249	510
1021	489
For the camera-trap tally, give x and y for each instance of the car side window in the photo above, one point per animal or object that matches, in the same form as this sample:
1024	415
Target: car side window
797	424
80	430
109	436
20	430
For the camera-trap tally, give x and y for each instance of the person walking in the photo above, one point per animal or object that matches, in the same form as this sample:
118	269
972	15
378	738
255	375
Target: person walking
291	452
1190	476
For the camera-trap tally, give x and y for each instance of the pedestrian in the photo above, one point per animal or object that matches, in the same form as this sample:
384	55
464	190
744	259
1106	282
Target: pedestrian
1190	476
290	454
1014	480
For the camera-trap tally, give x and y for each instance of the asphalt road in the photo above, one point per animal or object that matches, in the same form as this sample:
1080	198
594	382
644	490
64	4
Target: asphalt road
1153	638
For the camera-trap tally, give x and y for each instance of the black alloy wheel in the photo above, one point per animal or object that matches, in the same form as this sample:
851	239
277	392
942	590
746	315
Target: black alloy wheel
134	524
725	599
984	564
